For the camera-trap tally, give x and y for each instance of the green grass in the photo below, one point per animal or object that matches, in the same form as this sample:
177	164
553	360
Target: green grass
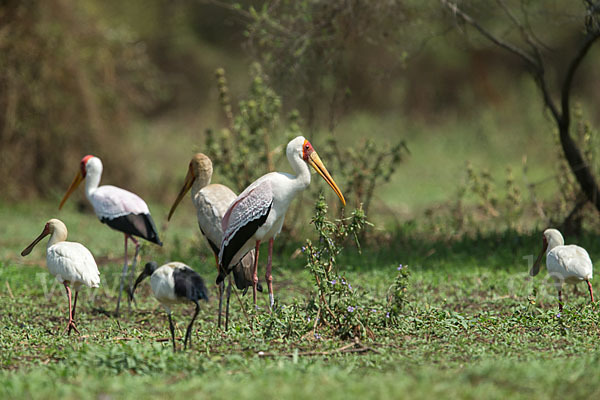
472	328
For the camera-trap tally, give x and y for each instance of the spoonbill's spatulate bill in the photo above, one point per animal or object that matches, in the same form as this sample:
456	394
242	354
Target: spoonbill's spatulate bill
71	263
123	211
570	263
211	202
258	213
174	283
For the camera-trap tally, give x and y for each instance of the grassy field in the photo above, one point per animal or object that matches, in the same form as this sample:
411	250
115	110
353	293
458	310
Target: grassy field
475	325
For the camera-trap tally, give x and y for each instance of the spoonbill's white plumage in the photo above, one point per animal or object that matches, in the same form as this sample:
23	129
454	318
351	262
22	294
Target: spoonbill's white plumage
174	283
120	209
71	263
570	263
211	202
258	213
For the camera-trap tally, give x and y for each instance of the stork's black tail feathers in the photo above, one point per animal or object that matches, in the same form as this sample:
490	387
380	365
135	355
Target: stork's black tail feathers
242	281
140	225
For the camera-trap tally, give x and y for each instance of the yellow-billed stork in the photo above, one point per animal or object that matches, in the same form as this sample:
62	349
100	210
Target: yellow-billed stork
120	209
174	283
258	213
571	263
211	202
70	262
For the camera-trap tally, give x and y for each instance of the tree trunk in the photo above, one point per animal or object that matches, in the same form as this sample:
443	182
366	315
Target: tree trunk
578	166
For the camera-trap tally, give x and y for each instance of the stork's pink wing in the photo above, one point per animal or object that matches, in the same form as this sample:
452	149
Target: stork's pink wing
112	202
243	218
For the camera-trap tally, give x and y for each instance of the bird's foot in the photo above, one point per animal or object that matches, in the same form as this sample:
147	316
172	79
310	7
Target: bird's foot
71	325
271	301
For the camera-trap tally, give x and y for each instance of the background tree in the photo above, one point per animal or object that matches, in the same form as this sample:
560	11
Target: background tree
67	83
519	35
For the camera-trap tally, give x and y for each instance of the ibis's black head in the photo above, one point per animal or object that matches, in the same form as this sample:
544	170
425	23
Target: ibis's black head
149	269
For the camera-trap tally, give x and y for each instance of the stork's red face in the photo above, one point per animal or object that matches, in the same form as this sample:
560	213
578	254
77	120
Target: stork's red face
310	156
83	163
77	180
307	150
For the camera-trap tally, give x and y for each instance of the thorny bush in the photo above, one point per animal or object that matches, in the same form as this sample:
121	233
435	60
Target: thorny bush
336	307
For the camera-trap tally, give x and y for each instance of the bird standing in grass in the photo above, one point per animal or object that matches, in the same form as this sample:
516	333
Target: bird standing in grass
258	213
70	262
211	202
571	263
123	211
174	283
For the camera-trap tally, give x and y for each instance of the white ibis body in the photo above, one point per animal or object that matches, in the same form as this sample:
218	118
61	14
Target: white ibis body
174	283
570	264
123	211
71	263
258	213
211	202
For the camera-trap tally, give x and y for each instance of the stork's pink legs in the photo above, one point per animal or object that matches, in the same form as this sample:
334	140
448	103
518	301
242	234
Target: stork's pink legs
268	276
71	324
125	270
591	291
133	264
123	274
254	272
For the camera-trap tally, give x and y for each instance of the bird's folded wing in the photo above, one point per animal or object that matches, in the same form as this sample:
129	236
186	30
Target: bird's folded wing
247	213
73	262
111	202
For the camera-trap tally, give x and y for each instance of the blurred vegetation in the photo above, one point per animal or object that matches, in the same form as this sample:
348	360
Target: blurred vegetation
134	81
68	84
244	148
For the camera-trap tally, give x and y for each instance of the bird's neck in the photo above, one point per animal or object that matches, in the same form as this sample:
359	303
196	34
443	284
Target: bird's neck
56	237
92	180
552	243
302	171
198	184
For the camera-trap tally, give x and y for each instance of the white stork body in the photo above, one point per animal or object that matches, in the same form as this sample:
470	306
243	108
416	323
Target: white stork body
174	283
70	262
120	209
258	213
211	202
570	264
264	203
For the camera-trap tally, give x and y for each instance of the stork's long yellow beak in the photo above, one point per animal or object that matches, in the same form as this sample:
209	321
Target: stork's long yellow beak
315	161
78	178
189	181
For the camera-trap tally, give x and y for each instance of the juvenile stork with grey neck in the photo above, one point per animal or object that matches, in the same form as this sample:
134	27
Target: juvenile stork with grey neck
570	263
70	262
258	213
120	209
174	283
211	202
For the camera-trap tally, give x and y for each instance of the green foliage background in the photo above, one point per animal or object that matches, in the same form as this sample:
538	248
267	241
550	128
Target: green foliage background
441	137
